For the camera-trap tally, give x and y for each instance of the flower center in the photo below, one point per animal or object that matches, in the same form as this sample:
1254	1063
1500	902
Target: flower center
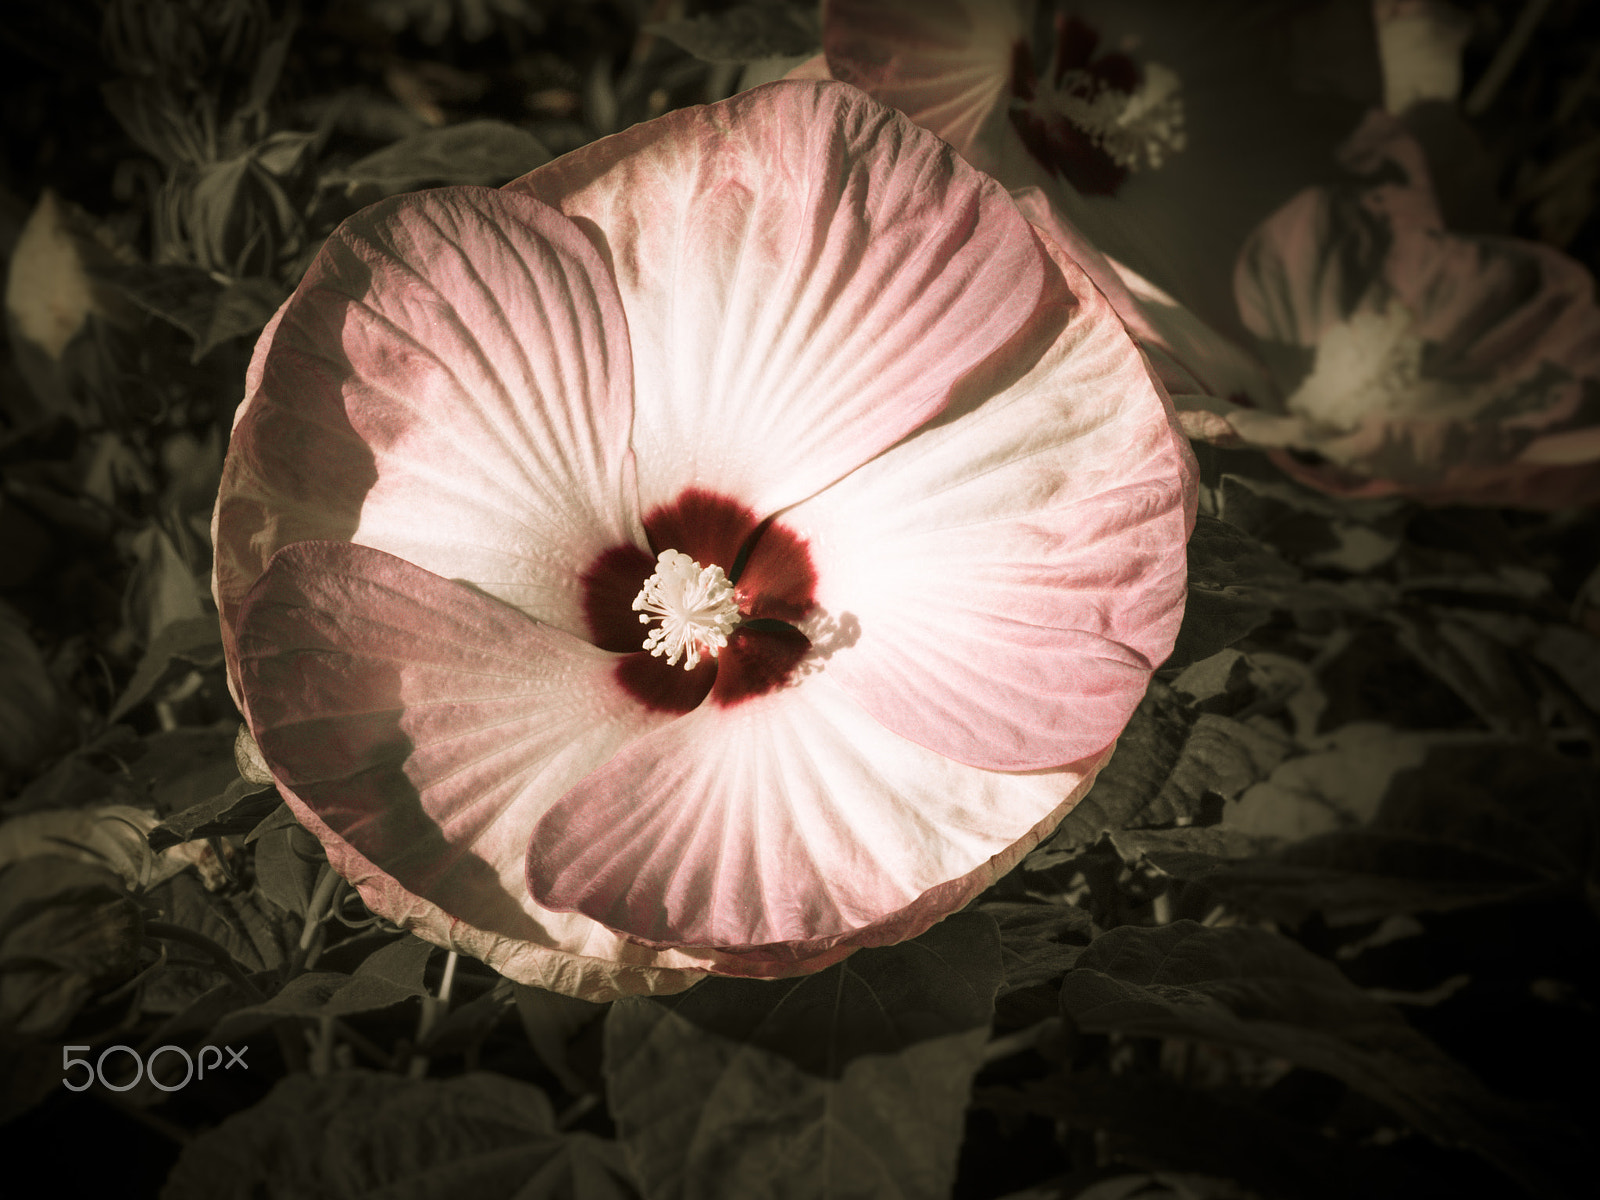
695	606
1136	129
1369	364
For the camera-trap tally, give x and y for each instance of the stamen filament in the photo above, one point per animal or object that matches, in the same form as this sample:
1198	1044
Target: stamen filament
695	606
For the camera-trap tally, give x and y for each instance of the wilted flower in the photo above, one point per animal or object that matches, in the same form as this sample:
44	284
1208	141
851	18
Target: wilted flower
782	373
1344	327
1416	361
111	836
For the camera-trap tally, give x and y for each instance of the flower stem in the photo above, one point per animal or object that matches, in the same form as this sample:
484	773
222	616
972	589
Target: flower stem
217	954
1494	78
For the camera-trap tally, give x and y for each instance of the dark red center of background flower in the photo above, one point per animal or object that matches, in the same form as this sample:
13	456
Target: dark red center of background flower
1059	145
774	585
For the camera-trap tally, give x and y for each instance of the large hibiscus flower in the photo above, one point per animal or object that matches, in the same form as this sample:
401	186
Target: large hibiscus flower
731	544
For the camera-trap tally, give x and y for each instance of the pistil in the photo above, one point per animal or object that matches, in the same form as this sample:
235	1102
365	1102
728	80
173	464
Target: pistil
695	605
1135	130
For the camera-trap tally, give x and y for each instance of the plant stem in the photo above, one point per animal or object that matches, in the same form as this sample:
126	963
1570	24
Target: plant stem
217	954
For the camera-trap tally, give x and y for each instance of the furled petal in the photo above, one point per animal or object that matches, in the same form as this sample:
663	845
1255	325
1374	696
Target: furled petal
1010	578
792	824
806	276
450	384
419	728
1306	268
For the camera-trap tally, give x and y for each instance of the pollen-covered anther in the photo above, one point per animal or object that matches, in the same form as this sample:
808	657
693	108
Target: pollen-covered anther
695	606
1137	129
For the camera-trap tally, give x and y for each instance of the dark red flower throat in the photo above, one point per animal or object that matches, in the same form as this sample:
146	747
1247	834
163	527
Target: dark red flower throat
774	585
1055	141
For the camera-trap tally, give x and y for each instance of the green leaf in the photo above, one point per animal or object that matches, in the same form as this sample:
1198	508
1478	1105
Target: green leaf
402	962
68	930
849	1082
1186	853
241	310
83	777
1232	582
1169	761
316	994
363	1133
192	641
1574	654
465	1027
179	768
1475	667
1317	530
746	32
1148	1118
288	860
238	809
191	300
549	1020
1038	942
237	214
1460	825
1222	674
184	297
1338	788
484	152
1256	990
256	933
32	715
281	817
164	587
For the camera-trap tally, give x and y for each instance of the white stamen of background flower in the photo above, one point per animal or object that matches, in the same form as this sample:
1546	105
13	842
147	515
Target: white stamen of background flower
1371	363
694	604
1136	129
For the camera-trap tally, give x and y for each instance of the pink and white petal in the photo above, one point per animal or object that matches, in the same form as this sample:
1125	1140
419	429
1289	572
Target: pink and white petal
791	825
419	728
1448	462
1572	448
1214	419
946	64
806	275
1306	268
1011	577
450	384
1505	308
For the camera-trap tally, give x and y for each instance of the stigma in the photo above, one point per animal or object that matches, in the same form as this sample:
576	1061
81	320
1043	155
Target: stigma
695	606
1135	129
